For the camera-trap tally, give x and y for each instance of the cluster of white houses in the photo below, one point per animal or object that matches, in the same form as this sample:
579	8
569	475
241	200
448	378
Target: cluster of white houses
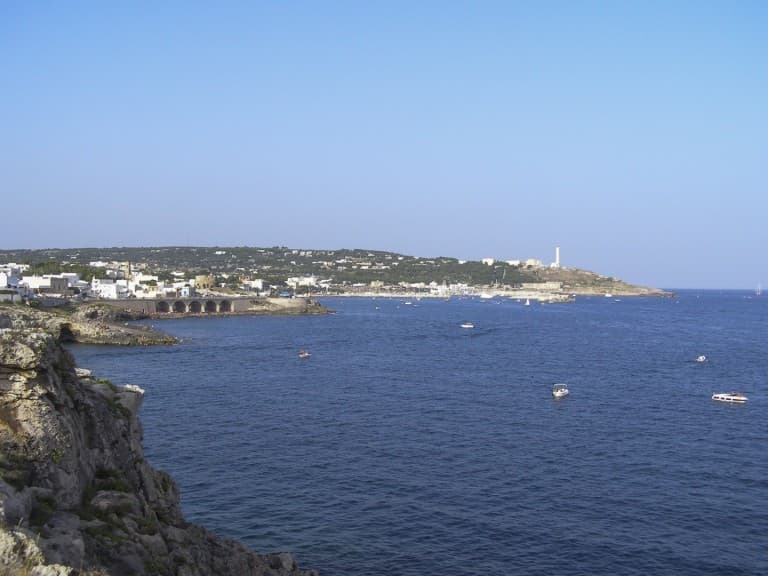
15	284
120	281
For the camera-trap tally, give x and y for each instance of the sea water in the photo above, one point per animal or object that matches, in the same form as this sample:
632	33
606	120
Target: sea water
409	445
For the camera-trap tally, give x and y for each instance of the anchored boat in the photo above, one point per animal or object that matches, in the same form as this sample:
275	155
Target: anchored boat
736	397
560	391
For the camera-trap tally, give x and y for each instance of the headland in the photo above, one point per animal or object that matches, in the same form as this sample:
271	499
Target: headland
77	496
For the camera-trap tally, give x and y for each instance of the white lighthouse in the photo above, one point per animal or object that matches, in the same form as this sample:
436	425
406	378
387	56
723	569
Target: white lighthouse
556	263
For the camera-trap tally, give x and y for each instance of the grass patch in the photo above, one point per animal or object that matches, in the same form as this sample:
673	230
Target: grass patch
155	566
15	469
42	510
106	382
148	525
107	480
111	479
105	532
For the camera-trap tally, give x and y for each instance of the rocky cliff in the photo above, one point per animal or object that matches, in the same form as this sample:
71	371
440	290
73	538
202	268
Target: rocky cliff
76	495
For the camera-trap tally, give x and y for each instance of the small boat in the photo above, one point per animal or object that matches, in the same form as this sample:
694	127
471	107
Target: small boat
736	397
560	391
303	354
701	358
467	325
527	302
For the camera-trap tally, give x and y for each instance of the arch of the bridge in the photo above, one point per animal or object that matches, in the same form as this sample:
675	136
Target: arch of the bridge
194	306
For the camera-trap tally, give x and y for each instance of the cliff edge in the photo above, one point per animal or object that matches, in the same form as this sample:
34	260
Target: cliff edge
76	494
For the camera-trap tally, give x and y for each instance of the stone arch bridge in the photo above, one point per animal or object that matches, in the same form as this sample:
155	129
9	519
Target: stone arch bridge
194	306
201	306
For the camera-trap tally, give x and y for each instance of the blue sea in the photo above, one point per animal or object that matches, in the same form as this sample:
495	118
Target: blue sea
407	445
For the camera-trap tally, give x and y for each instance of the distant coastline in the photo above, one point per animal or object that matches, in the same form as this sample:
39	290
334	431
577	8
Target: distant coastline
539	295
179	273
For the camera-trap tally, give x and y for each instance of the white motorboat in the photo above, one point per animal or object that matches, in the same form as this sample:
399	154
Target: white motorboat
560	391
701	358
303	354
467	325
736	397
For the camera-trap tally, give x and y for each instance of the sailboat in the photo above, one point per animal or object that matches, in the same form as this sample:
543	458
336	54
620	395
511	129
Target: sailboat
759	290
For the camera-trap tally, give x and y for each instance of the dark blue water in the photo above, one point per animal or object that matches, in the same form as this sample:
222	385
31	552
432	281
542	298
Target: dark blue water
408	445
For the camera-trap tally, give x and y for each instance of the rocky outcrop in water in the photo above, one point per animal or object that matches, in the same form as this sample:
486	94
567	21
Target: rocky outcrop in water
76	494
86	324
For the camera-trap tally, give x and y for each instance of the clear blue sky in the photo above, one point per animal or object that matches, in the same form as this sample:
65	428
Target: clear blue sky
634	135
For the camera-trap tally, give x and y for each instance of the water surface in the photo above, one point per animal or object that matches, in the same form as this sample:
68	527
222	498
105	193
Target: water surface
409	445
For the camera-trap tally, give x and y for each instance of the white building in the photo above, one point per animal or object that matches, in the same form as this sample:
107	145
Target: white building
301	281
36	283
257	285
556	263
109	289
143	285
13	269
143	290
488	261
8	279
141	278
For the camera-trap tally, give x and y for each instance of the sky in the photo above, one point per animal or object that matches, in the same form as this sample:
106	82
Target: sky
633	135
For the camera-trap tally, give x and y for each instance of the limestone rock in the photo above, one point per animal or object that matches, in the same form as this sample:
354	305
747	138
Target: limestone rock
76	494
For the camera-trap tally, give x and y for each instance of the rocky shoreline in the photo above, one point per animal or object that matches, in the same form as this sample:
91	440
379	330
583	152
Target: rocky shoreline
77	496
110	322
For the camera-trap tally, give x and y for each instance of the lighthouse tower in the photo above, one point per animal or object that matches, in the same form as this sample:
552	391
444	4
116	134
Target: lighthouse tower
556	263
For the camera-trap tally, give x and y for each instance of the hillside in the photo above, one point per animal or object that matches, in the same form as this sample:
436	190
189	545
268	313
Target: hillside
338	269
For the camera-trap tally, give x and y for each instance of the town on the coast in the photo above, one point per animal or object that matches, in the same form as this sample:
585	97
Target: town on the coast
194	272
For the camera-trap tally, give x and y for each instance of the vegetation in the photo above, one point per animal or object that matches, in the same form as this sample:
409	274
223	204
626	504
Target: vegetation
274	265
43	508
84	271
15	469
232	266
111	479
